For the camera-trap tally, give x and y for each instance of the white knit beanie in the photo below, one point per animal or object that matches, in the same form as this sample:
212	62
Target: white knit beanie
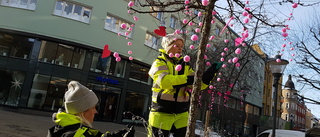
168	40
79	98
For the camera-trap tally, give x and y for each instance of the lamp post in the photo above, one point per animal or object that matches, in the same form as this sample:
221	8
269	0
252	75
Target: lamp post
244	94
277	66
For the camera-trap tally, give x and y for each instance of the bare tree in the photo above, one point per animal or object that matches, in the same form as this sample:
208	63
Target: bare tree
308	45
261	18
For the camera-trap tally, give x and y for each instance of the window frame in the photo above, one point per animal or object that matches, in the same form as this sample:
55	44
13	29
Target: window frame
64	4
10	3
115	23
153	38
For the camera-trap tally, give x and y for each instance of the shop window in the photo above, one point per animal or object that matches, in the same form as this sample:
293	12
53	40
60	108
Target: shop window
113	24
38	91
15	46
72	11
78	58
109	97
48	51
62	54
54	96
136	103
152	41
99	64
11	86
23	4
139	73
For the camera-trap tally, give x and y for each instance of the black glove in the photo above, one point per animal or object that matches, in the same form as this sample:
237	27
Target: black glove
119	133
131	132
190	80
211	72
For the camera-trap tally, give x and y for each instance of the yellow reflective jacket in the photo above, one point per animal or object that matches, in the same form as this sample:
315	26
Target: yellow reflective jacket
165	97
70	126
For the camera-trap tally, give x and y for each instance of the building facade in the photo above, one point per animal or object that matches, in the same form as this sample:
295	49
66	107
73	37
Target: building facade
293	107
46	44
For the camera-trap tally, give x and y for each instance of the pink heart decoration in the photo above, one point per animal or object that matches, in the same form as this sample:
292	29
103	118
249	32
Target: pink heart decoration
106	52
161	31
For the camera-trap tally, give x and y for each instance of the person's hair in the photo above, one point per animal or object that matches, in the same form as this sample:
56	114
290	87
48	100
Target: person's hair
83	119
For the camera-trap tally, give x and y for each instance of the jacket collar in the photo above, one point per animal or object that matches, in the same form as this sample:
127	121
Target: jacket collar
64	119
174	59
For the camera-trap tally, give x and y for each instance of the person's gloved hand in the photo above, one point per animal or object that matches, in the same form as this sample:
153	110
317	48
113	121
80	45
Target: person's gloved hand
211	72
131	132
119	133
190	80
122	132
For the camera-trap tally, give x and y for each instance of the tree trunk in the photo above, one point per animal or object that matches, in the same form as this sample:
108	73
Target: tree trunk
200	66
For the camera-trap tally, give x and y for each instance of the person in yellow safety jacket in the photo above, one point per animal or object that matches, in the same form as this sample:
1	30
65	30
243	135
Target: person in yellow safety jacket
77	117
170	97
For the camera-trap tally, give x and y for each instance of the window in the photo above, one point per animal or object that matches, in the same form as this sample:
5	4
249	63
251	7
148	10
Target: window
72	11
136	103
15	46
47	92
174	23
99	64
196	14
287	105
23	4
62	54
152	41
11	86
156	14
217	31
114	24
139	73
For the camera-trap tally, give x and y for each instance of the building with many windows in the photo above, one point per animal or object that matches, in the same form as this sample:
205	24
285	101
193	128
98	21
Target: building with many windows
293	107
46	44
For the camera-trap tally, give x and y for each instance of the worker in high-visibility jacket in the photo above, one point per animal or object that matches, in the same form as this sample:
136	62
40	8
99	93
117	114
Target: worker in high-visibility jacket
75	119
172	79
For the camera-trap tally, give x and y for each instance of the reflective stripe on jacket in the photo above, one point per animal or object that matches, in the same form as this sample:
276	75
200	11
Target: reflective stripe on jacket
165	97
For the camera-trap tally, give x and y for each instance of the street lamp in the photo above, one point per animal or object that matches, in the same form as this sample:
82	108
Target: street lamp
244	91
277	66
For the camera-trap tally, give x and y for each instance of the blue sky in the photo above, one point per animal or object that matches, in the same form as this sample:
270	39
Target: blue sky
301	17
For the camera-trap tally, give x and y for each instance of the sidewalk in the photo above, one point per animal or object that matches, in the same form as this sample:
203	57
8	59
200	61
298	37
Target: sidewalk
15	124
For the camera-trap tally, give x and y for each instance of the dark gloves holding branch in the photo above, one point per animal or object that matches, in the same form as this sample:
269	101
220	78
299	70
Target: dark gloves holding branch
122	132
190	80
207	75
211	72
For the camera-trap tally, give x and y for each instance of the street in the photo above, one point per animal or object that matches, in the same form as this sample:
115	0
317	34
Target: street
17	124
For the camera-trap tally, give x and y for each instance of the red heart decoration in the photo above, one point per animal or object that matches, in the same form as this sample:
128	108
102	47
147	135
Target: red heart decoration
161	31
106	52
